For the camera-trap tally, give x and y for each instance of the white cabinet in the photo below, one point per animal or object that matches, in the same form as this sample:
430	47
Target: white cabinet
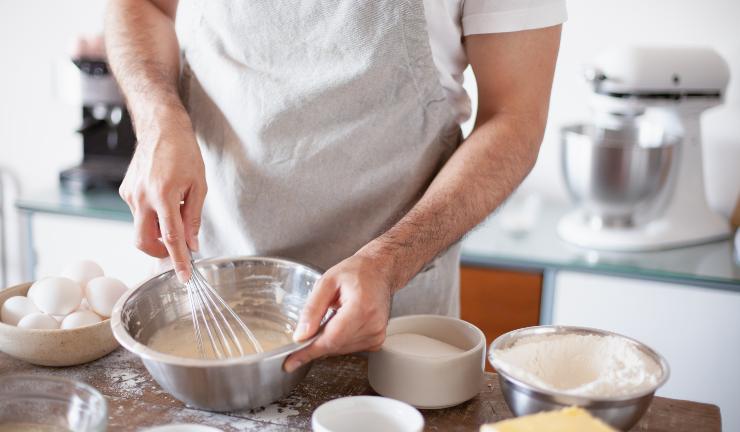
59	240
696	329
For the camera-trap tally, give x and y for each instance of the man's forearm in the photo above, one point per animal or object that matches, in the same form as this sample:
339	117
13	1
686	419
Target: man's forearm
479	176
143	53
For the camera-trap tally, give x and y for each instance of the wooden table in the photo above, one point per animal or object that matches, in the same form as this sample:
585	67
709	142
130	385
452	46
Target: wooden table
135	400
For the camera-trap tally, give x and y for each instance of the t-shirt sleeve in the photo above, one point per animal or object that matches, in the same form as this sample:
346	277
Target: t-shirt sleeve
500	16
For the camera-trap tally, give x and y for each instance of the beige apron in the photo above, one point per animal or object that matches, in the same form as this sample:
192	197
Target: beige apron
321	123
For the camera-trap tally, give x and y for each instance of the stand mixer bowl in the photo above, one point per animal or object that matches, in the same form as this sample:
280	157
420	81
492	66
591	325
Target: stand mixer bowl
621	176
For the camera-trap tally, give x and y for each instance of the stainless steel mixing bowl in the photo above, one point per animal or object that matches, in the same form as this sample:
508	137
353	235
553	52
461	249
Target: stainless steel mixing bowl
268	293
523	398
621	177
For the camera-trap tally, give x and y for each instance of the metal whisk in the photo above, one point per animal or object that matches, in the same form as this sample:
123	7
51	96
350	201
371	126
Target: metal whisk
211	312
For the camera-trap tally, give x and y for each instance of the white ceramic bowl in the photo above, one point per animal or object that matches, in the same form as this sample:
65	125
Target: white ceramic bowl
366	414
54	347
430	382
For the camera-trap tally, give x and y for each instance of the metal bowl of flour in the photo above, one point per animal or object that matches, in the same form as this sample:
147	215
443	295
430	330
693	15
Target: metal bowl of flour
525	398
268	293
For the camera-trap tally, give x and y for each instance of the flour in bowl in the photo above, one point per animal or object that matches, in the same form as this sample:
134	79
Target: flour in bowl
581	365
416	344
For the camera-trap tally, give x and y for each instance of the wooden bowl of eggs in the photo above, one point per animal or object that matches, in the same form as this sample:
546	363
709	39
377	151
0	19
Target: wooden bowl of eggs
60	321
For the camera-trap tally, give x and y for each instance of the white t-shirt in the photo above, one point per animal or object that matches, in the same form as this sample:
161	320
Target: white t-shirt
449	20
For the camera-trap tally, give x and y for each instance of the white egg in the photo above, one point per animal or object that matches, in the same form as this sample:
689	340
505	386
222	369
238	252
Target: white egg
31	289
102	294
38	320
56	295
79	319
82	271
15	308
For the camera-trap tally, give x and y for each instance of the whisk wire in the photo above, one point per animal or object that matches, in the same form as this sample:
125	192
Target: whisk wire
207	311
194	315
229	336
250	335
205	306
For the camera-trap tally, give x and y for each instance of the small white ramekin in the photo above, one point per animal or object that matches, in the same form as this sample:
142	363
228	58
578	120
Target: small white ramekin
430	382
366	413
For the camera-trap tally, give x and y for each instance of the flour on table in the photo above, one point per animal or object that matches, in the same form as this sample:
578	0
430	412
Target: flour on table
273	413
127	382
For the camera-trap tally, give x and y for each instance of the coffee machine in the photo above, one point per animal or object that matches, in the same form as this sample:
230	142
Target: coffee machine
108	139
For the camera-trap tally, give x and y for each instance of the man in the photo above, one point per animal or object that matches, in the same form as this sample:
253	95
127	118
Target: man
328	132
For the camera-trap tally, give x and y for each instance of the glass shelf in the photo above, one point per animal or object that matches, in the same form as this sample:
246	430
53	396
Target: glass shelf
541	248
489	244
94	204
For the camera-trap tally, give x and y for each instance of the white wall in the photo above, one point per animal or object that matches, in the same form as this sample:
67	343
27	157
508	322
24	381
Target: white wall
108	243
594	25
37	136
36	127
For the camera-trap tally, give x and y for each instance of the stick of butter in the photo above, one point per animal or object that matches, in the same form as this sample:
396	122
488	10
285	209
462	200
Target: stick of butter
571	419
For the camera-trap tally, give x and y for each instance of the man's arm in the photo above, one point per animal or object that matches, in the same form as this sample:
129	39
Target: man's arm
144	54
514	72
167	167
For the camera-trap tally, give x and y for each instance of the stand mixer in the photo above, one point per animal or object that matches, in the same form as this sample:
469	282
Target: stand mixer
636	171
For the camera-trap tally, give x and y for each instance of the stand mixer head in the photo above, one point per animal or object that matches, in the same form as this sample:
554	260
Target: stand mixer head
636	170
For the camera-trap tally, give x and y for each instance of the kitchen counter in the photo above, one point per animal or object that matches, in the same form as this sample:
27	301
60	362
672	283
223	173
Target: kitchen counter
136	401
709	265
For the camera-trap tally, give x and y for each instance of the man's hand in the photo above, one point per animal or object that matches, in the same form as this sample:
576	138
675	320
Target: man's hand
166	170
360	291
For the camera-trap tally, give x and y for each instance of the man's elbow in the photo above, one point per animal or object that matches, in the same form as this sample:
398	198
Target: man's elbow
527	131
532	139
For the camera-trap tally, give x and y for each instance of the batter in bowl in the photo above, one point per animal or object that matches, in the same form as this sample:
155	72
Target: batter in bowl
178	339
